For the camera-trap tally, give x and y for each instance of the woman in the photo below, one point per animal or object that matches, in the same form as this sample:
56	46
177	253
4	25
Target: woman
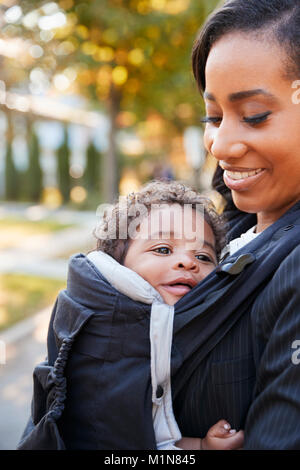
233	353
245	61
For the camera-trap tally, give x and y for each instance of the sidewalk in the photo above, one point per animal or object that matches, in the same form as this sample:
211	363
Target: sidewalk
42	255
25	347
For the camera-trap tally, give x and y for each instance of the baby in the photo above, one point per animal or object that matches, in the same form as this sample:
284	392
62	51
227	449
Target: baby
175	245
107	381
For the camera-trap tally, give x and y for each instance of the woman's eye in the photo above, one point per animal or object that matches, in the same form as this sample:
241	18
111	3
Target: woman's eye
252	120
163	250
211	119
257	119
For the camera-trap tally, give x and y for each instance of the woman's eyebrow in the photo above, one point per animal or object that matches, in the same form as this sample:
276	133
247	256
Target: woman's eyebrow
241	95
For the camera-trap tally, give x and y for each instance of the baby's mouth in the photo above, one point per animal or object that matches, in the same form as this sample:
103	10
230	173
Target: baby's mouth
179	287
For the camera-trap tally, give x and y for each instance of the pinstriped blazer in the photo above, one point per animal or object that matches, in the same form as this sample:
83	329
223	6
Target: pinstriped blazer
245	369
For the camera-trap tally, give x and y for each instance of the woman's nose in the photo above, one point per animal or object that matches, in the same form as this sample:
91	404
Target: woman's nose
224	143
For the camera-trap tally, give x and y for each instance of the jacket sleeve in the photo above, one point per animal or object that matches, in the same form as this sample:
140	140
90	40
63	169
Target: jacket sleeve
273	420
49	382
52	354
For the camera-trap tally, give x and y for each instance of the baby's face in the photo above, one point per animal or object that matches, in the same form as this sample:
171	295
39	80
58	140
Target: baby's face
173	261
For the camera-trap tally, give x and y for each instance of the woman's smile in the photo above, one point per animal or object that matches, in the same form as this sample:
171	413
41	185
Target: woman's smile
242	180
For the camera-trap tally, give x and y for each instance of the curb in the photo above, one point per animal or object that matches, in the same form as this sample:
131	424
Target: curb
24	328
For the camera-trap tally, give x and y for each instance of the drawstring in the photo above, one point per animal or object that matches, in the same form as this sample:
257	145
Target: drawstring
57	377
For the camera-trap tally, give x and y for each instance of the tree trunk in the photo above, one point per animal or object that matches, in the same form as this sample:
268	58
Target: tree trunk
11	174
110	160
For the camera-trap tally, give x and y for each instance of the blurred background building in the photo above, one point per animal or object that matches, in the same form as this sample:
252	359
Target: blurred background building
95	95
96	98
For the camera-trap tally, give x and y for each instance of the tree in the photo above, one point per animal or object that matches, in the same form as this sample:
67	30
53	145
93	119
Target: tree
131	58
63	167
11	173
34	175
92	175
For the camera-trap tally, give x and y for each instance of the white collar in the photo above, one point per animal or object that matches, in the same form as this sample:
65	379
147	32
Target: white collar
123	279
238	243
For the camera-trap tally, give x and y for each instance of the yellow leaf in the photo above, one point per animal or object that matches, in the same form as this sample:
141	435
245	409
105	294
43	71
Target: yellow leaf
136	57
119	75
82	31
104	75
110	36
89	48
104	54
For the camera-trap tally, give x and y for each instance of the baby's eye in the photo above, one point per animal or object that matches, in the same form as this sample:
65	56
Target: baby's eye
163	250
206	258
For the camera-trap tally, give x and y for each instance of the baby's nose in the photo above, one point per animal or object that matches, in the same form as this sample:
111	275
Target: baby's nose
187	262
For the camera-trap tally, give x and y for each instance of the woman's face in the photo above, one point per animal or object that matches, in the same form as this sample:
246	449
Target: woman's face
253	125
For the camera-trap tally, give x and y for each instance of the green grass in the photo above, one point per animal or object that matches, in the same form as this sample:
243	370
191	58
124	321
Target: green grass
14	230
40	226
22	296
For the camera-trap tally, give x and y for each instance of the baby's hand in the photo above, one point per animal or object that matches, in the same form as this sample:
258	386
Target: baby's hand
222	437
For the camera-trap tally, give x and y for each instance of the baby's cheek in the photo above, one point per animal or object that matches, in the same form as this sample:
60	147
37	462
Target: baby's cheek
148	274
205	270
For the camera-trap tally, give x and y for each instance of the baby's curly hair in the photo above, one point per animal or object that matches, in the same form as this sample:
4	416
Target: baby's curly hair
155	192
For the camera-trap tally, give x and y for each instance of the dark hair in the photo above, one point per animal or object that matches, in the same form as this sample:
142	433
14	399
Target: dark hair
275	19
154	192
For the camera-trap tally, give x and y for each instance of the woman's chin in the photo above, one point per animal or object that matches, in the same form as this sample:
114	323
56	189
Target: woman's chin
245	204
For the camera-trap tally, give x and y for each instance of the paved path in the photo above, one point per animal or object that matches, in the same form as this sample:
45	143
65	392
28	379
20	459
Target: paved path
25	347
42	254
26	342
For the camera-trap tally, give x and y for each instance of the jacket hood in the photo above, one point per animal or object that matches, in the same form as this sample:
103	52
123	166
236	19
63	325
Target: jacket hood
88	293
87	286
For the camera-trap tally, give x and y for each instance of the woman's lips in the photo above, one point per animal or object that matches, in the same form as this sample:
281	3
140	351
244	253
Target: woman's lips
242	180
